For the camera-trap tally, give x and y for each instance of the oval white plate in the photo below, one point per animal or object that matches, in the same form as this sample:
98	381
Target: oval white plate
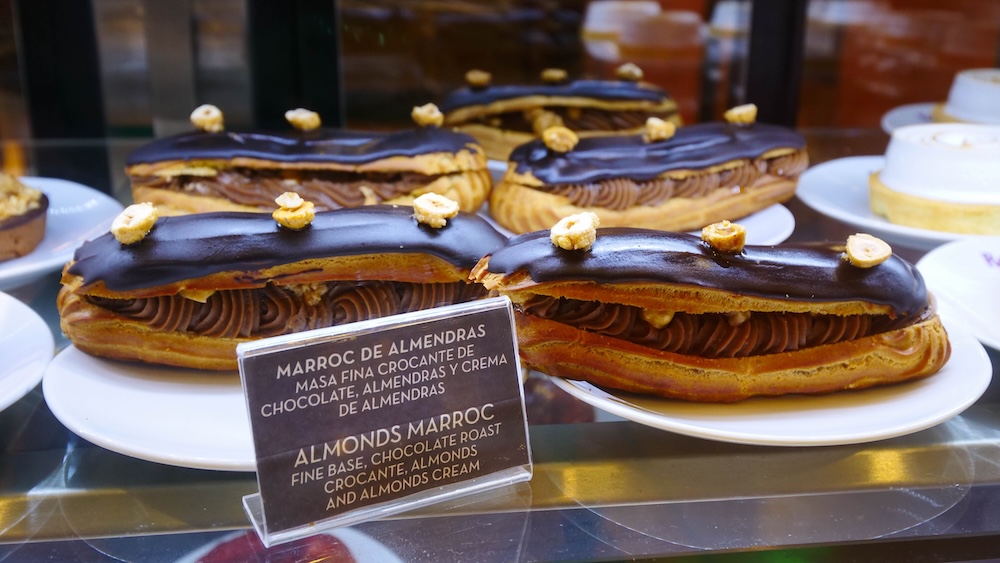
851	417
910	114
187	418
76	213
26	346
839	189
964	276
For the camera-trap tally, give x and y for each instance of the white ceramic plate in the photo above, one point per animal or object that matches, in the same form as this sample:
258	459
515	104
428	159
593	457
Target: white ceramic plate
26	346
839	189
964	276
910	114
361	546
76	213
851	417
186	418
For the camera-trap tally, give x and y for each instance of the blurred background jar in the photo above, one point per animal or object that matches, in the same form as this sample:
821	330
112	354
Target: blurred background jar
666	39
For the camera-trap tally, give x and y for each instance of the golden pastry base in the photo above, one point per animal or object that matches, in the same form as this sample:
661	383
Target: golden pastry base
936	215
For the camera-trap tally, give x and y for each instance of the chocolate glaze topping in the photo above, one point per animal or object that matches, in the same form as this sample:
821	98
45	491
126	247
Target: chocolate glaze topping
791	272
320	146
693	147
193	246
599	89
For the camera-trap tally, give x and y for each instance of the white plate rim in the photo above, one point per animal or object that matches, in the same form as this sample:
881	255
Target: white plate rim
937	264
94	211
973	383
851	173
908	114
33	349
74	367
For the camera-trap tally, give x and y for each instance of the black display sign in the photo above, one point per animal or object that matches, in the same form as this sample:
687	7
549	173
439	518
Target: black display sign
345	419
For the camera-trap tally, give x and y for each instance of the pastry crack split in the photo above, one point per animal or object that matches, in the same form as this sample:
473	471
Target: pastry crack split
665	314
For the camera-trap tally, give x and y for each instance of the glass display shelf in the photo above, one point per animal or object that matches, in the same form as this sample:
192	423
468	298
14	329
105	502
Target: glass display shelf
603	490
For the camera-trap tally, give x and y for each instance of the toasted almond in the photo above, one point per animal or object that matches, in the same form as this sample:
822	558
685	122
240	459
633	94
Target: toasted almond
629	71
725	237
866	251
427	115
575	232
559	139
434	209
478	78
207	117
554	75
658	319
134	223
289	200
741	115
303	119
658	130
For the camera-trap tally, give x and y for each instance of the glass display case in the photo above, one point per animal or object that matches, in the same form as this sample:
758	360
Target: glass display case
891	474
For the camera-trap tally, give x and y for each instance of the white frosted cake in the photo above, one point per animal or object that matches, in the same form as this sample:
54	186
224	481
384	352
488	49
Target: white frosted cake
941	176
974	98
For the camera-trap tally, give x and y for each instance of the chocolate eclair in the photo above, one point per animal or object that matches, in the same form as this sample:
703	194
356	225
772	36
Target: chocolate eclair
23	214
671	315
216	170
195	286
502	117
673	179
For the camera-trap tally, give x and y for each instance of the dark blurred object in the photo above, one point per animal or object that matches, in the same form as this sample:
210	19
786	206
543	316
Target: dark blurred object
61	70
547	404
398	54
774	69
294	60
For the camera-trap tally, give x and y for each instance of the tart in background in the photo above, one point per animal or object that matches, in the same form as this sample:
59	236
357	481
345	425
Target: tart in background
23	211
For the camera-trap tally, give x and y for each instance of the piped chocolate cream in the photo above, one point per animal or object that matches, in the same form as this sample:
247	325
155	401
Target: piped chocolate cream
274	309
816	273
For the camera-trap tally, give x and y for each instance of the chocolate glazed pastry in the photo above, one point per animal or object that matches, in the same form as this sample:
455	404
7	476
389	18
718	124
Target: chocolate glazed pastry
198	285
667	314
679	181
205	170
501	117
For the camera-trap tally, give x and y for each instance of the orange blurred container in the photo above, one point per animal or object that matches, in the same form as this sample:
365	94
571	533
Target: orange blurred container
670	49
